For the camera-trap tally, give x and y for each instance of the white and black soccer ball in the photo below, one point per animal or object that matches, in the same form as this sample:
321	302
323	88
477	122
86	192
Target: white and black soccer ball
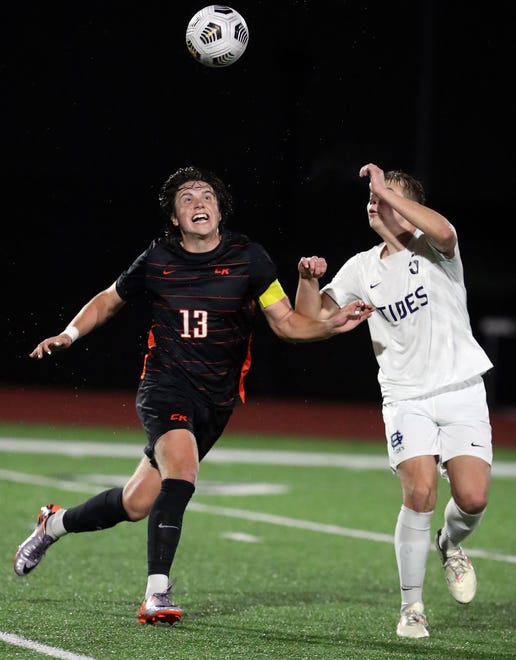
217	36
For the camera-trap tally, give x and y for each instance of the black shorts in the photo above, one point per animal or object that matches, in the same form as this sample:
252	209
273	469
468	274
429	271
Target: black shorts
162	408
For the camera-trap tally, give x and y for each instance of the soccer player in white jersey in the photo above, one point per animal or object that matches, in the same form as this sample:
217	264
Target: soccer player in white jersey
430	373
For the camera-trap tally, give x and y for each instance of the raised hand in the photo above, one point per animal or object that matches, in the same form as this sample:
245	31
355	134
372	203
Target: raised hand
312	267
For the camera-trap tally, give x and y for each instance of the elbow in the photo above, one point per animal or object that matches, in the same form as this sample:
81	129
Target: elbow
448	237
446	240
280	332
286	333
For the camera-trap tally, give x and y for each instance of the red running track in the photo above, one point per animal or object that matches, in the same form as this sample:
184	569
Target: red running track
258	416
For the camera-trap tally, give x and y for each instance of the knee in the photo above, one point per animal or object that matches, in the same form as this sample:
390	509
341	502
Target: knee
421	498
189	474
472	503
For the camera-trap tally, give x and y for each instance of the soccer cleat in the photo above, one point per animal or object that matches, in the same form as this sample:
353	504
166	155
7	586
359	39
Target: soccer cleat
459	572
413	622
33	549
158	608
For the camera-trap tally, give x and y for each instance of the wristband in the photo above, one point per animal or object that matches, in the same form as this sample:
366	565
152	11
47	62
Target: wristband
72	332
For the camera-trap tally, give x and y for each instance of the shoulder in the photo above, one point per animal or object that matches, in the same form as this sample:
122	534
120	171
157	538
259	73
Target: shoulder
424	246
236	240
163	244
365	256
233	238
157	249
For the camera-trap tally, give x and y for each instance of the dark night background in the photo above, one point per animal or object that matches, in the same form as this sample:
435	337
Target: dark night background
102	101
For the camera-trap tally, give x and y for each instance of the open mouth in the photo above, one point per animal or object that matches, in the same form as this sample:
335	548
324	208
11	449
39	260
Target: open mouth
200	217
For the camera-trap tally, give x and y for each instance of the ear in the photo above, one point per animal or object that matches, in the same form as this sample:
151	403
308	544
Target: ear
174	221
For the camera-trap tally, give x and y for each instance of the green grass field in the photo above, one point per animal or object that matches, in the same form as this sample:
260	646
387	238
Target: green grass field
286	553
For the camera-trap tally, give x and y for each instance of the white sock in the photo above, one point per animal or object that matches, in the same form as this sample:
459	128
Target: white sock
412	545
458	525
156	584
54	527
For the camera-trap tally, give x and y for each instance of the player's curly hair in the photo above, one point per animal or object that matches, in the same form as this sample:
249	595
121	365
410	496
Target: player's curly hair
412	188
169	189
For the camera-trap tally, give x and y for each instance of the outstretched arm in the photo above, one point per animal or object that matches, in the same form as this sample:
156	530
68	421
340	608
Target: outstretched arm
290	325
96	312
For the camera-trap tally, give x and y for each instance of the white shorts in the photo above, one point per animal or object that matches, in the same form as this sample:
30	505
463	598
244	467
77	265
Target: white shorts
451	422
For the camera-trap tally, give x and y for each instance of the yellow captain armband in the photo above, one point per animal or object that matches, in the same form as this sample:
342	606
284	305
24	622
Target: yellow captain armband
273	294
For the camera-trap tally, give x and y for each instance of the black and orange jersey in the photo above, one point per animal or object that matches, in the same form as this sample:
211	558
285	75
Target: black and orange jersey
203	306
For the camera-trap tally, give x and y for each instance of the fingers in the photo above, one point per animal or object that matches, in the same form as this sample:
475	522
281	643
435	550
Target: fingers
351	315
359	309
40	350
369	170
49	346
364	309
312	267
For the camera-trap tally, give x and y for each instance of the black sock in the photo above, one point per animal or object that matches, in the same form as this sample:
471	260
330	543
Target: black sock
165	521
99	512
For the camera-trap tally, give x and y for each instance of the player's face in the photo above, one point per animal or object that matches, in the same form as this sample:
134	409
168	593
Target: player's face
196	210
378	211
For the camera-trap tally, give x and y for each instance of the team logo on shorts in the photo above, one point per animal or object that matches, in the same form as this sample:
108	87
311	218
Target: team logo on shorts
397	442
178	417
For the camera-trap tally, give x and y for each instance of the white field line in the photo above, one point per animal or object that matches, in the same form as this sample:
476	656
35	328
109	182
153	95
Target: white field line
326	529
52	651
244	514
353	461
75	448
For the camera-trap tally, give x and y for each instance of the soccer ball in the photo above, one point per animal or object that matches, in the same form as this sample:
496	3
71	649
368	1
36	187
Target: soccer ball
217	36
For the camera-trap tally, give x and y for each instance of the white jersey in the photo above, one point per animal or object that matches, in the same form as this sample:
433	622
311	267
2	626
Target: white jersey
421	332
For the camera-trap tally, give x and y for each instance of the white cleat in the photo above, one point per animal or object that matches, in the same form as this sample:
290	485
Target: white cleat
459	573
413	622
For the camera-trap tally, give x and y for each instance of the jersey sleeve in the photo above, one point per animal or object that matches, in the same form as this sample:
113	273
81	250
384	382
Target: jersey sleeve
263	281
131	282
345	286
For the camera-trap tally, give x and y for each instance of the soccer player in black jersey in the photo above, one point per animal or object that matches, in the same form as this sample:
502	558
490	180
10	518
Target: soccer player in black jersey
205	284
